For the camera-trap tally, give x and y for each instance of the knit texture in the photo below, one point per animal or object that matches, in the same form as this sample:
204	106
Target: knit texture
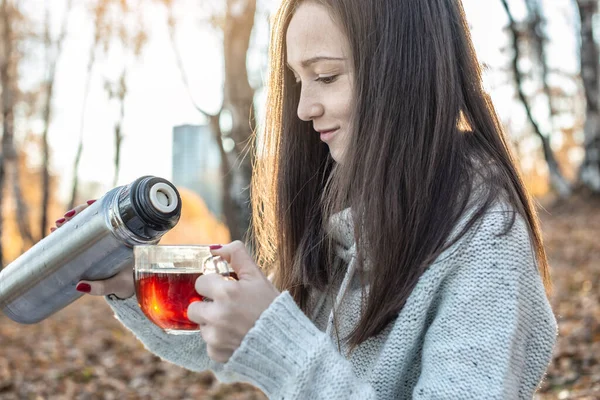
477	325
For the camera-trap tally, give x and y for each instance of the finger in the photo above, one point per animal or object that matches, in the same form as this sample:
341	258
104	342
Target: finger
214	286
214	346
238	258
220	356
69	215
213	337
121	285
199	312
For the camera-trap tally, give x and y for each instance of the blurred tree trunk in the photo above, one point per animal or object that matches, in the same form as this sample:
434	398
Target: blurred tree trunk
53	52
22	209
557	180
536	30
589	172
9	162
7	110
238	101
227	202
214	123
118	92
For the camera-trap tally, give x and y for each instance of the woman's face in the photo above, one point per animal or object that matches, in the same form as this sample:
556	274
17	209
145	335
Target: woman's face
318	54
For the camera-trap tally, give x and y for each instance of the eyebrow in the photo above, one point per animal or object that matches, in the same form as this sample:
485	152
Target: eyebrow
308	62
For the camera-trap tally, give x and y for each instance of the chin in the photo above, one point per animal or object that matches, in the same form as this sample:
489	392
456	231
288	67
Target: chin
336	154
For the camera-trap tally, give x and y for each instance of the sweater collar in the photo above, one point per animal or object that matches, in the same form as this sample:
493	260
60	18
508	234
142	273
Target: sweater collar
341	228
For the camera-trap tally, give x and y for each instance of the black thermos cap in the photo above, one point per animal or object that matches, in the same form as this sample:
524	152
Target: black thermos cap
148	208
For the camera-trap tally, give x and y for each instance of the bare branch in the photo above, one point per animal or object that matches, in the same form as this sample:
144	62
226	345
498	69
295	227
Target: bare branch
179	60
589	171
537	22
99	14
120	95
557	180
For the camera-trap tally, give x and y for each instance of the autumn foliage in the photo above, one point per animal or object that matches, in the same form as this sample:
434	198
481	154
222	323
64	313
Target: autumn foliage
197	225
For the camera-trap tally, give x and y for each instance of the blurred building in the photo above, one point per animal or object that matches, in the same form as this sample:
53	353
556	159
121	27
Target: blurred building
196	163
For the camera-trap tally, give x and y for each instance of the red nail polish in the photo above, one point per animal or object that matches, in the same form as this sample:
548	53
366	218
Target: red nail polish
90	202
60	221
83	287
70	213
52	229
215	247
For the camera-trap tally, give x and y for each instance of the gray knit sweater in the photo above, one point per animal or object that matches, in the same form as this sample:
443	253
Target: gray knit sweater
477	325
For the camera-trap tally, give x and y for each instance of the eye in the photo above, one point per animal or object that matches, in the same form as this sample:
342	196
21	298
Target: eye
327	79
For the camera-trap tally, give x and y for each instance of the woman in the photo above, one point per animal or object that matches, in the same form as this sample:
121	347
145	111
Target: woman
406	253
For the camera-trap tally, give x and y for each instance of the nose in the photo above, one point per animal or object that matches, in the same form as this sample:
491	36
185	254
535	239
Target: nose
309	106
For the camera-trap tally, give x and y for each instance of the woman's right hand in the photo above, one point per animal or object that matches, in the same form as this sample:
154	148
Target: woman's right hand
121	285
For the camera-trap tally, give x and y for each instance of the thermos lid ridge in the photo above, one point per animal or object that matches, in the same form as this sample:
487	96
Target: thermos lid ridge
152	206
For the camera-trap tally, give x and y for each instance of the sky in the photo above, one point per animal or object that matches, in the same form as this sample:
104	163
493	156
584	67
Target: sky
157	99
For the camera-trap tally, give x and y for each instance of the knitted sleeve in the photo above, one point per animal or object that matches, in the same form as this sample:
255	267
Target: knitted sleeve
287	356
490	306
187	351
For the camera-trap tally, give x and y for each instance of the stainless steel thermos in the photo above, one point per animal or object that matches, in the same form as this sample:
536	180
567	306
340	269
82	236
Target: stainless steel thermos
96	244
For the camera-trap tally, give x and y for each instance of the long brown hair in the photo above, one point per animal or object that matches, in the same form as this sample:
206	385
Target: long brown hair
424	132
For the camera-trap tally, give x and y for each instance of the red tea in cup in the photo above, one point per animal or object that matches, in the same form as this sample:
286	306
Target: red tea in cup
165	278
164	297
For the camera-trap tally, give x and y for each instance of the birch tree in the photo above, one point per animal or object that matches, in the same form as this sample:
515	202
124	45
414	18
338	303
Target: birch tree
7	70
10	167
557	179
54	48
589	171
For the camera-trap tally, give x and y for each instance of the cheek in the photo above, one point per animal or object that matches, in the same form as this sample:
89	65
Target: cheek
345	100
347	108
341	105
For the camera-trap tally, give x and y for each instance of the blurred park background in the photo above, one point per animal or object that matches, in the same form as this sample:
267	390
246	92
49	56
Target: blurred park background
96	93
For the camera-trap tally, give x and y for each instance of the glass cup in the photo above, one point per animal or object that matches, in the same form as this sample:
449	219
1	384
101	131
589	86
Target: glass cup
165	277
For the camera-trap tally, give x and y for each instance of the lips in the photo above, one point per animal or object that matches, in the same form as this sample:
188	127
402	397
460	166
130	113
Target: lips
325	131
327	135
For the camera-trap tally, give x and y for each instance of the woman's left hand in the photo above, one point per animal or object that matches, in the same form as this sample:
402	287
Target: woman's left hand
235	305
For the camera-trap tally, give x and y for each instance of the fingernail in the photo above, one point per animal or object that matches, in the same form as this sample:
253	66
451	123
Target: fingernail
90	202
52	229
60	221
83	287
215	246
70	213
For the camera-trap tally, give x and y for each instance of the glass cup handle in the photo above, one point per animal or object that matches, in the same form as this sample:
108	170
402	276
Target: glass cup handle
216	264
